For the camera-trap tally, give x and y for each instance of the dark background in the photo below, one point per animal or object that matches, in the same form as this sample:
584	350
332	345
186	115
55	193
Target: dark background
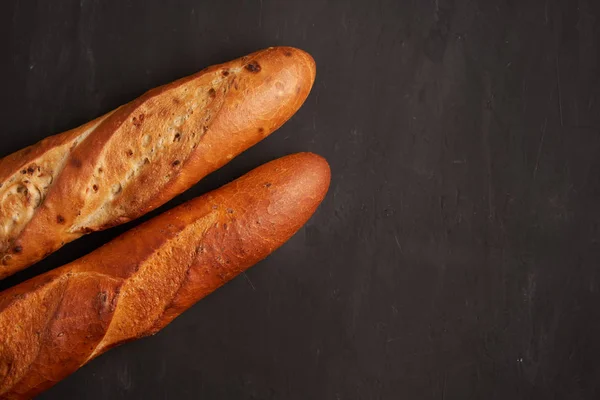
457	253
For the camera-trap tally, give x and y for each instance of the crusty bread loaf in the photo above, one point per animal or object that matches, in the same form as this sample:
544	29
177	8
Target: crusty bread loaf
138	157
135	285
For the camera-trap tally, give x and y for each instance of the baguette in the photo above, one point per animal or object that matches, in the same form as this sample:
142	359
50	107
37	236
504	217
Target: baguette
136	158
135	285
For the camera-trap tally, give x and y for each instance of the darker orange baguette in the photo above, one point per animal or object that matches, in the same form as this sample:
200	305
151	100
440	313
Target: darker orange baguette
135	285
143	154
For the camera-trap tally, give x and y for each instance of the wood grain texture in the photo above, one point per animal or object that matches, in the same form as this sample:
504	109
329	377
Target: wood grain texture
138	283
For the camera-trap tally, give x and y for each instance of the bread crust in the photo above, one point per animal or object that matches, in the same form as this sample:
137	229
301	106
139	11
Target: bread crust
138	283
133	160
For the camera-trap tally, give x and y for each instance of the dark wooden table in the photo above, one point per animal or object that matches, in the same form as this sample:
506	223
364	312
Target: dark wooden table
457	255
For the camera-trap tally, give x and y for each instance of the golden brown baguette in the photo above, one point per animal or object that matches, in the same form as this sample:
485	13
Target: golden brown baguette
135	285
143	154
